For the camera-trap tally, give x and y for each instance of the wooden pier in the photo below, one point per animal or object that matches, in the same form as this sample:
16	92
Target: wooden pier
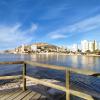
18	94
25	94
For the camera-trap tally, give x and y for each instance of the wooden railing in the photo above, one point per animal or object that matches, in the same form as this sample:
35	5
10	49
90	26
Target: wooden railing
66	89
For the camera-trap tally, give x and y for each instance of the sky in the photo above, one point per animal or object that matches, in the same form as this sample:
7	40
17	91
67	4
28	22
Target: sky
59	22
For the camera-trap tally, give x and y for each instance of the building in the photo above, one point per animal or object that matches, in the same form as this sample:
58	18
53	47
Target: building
22	48
90	46
95	45
34	47
99	46
84	45
74	47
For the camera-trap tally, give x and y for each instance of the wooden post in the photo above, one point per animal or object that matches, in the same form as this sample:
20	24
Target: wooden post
67	85
24	79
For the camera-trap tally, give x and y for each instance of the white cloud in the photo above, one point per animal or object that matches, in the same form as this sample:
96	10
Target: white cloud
86	25
33	27
56	36
12	36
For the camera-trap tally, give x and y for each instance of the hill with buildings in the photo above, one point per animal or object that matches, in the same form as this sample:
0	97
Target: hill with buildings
37	48
87	47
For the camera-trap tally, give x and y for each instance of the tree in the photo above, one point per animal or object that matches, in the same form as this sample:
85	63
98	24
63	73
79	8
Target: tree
88	51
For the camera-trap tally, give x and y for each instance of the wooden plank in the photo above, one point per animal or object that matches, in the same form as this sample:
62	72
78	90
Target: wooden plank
24	79
15	95
76	93
12	62
20	97
29	96
10	77
73	92
80	71
36	96
5	92
81	95
45	65
68	85
43	97
61	68
9	94
46	83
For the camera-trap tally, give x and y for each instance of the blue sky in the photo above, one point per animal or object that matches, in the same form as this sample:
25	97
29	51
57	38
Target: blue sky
60	22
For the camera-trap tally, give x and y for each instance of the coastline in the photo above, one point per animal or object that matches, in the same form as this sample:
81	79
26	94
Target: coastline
52	53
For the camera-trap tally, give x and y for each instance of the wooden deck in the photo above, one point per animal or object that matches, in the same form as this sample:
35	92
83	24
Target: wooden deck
18	94
89	84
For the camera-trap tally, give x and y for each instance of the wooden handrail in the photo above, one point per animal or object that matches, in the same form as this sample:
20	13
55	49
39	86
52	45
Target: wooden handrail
62	88
10	77
54	67
61	68
11	62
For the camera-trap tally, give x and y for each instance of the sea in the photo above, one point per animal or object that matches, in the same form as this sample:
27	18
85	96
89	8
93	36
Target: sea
72	61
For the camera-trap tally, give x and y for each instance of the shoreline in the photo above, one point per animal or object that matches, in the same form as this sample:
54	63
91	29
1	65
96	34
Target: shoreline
87	55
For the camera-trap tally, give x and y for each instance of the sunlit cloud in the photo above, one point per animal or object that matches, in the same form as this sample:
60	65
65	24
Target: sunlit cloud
33	27
12	36
85	26
57	36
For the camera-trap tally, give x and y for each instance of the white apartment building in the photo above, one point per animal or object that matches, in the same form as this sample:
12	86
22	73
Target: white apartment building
84	45
99	46
91	46
95	45
74	47
34	47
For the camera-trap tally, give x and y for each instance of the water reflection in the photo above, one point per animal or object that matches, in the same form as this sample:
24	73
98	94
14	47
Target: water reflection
83	62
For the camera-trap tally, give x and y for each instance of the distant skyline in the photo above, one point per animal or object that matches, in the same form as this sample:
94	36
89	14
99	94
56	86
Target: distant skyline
59	22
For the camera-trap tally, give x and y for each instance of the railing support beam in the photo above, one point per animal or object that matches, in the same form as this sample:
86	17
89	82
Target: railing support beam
67	85
24	79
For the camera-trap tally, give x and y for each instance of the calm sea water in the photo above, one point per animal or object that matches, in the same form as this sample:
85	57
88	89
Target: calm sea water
81	62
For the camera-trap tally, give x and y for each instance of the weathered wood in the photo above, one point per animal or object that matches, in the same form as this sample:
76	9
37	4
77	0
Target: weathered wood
24	79
29	96
12	97
18	94
96	75
36	96
58	87
67	85
9	94
61	68
20	97
10	77
45	65
75	70
81	95
12	62
48	84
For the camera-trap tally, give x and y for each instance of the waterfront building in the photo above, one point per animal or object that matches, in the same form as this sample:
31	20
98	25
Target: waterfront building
34	47
90	46
22	48
84	45
98	46
95	45
74	47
